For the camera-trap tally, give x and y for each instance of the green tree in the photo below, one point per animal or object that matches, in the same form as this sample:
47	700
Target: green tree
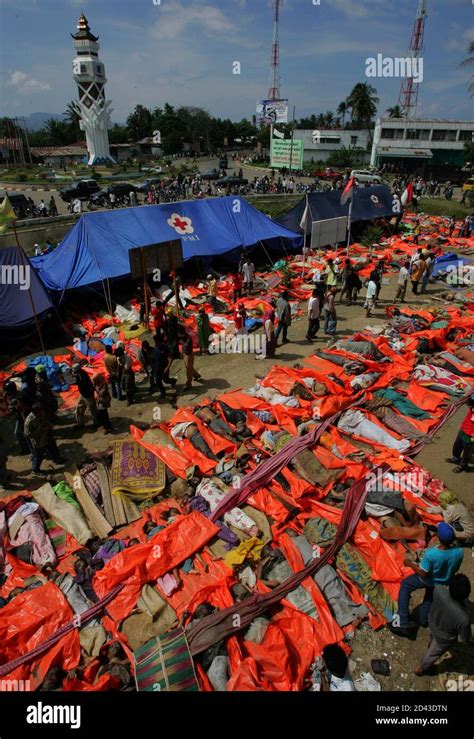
118	134
139	123
469	152
73	118
362	102
343	110
346	156
469	62
395	112
329	119
59	133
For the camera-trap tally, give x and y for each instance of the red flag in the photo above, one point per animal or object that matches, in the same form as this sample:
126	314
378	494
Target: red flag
407	196
348	191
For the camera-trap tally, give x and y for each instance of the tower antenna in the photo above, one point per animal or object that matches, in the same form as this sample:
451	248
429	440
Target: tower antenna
274	90
408	98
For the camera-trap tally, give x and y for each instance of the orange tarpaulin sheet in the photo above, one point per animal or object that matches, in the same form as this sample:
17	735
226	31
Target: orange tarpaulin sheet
30	619
146	562
172	458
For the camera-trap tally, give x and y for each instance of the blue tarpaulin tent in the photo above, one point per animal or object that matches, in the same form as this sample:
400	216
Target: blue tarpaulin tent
16	276
97	247
369	204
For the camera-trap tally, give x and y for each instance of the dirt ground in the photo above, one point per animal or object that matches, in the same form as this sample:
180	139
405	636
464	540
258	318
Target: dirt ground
222	372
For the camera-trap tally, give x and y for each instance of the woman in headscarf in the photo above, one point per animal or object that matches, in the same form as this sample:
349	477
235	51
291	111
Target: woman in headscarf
456	514
269	327
103	401
204	330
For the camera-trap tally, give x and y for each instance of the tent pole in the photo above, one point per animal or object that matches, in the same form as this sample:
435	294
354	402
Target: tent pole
30	295
349	225
268	255
145	288
175	285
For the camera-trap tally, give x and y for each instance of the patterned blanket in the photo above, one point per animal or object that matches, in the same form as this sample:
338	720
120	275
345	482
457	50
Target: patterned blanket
136	472
164	663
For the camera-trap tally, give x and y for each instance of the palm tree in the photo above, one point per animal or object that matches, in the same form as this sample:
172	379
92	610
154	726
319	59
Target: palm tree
329	119
71	115
469	62
320	120
343	110
363	104
395	112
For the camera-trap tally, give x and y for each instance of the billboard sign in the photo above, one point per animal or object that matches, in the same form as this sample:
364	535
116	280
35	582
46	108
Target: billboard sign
328	232
281	154
272	111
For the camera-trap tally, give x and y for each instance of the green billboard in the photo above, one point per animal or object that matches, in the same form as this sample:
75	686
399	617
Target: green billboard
281	154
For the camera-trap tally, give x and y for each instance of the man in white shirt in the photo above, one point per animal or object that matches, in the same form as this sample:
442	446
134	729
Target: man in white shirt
402	283
313	316
370	297
248	273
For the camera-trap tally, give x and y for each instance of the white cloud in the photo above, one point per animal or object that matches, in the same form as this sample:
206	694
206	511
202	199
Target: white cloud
25	83
176	20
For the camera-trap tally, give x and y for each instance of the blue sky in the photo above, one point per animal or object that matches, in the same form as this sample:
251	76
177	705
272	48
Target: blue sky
182	52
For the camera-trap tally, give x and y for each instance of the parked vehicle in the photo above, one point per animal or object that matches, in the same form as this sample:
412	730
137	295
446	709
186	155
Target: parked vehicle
210	174
232	180
146	184
81	189
468	185
120	190
364	175
325	174
20	205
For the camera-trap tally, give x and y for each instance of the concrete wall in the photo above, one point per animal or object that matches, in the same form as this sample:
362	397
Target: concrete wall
40	233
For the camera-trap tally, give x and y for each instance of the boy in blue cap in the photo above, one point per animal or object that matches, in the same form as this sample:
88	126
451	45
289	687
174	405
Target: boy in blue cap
437	567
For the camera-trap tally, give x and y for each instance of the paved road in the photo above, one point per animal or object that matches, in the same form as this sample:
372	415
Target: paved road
249	173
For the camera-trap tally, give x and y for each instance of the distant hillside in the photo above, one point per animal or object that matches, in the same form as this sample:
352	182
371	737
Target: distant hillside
35	121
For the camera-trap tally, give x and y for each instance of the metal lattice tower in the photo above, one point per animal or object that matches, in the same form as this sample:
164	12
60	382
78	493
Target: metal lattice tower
274	90
408	98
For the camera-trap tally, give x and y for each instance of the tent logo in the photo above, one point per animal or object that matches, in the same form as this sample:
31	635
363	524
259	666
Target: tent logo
181	224
374	199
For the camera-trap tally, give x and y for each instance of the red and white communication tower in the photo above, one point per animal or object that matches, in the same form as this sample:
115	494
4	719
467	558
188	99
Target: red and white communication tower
274	90
408	99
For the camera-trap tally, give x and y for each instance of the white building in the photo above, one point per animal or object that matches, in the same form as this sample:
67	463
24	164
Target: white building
320	144
92	107
412	143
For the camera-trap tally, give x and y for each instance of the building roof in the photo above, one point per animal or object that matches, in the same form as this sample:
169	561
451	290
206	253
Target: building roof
148	140
83	30
387	119
58	151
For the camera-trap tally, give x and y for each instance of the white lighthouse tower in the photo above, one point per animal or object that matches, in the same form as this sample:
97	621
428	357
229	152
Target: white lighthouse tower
92	107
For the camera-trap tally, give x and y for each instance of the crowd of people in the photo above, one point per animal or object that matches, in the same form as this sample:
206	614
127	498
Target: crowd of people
218	443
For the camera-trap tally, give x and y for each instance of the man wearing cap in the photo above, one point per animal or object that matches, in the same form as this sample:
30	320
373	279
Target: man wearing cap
437	567
464	442
86	395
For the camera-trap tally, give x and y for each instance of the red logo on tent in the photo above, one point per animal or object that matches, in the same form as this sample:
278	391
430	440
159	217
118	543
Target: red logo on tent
181	224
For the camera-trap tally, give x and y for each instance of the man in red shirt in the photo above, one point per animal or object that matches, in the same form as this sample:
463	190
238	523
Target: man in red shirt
237	286
464	442
159	316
